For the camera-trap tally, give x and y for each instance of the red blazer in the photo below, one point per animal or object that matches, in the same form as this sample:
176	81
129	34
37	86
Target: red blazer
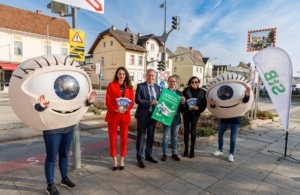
113	92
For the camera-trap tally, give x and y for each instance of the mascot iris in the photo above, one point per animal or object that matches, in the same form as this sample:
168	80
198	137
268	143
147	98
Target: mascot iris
51	93
229	97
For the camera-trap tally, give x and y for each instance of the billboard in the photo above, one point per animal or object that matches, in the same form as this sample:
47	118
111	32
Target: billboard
260	39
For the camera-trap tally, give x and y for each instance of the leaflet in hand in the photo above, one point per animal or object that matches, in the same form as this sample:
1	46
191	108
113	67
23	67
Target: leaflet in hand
123	103
191	103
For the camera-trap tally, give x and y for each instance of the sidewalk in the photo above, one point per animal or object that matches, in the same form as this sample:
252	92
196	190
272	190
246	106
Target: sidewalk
258	167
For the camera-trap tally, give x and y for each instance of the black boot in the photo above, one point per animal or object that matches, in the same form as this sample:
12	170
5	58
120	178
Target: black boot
186	151
192	152
193	141
186	144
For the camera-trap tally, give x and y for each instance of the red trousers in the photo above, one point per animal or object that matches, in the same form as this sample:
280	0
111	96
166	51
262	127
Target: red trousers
113	132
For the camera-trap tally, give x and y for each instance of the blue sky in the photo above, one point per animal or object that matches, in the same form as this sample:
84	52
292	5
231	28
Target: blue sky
217	28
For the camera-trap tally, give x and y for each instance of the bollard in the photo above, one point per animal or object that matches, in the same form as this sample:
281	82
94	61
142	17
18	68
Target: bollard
76	147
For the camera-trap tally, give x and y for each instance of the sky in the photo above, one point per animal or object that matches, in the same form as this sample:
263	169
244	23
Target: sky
216	28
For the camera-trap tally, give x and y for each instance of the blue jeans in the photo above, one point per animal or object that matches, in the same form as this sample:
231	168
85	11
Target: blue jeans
57	143
222	129
173	129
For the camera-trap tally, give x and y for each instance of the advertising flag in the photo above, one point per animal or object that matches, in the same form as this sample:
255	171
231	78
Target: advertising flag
275	69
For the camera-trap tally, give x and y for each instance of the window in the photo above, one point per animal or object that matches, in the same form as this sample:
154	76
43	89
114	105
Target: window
175	69
102	61
104	44
48	49
140	60
111	43
64	51
131	60
139	77
152	47
131	75
18	48
181	58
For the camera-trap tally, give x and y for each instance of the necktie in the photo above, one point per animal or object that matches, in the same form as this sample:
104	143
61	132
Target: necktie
151	97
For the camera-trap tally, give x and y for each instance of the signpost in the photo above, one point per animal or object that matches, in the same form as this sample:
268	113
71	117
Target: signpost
91	5
98	72
77	41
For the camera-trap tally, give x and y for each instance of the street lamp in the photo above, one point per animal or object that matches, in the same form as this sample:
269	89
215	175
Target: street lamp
47	29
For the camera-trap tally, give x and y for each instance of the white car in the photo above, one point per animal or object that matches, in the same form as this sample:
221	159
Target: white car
296	89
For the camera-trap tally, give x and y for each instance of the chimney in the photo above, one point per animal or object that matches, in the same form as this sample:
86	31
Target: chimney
38	11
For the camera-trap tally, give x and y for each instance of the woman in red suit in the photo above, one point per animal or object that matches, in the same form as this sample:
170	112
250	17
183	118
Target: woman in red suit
118	113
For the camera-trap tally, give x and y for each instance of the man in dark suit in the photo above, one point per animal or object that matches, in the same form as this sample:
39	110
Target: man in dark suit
146	96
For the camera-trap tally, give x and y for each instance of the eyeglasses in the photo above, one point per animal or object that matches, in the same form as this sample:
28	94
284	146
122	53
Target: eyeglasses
194	82
172	81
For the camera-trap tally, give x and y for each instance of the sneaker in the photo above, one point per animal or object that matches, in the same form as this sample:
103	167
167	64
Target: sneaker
51	190
218	153
230	158
67	183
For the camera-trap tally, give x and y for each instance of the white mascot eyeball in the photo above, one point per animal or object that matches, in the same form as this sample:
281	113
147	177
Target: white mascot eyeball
228	90
65	85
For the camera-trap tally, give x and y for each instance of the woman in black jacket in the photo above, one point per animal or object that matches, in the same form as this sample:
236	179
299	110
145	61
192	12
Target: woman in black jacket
195	104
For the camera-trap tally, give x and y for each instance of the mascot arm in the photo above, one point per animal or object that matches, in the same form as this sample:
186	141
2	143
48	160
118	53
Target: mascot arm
39	108
246	99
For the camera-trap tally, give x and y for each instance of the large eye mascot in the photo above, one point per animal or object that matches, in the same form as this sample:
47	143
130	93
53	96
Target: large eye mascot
229	97
51	93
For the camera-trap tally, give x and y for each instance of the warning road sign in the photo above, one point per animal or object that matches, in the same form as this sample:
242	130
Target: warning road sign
76	39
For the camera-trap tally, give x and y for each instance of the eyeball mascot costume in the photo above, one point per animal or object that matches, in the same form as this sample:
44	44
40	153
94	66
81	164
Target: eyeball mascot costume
228	90
63	83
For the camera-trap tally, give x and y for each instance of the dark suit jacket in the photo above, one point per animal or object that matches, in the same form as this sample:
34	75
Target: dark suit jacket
142	98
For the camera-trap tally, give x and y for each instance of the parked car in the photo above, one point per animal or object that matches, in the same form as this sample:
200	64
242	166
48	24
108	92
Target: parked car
296	89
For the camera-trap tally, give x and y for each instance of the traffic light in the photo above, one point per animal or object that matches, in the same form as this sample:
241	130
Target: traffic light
161	65
131	39
175	22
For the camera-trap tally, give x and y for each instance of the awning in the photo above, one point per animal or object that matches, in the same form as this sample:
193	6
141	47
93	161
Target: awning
8	66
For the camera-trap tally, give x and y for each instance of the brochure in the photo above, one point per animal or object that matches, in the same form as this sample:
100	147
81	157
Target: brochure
123	103
191	103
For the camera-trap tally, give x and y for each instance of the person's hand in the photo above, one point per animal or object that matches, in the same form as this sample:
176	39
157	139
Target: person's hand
212	102
182	99
92	97
247	91
44	103
153	102
195	107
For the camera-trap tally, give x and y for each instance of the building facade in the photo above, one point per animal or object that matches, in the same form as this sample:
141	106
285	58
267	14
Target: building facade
25	34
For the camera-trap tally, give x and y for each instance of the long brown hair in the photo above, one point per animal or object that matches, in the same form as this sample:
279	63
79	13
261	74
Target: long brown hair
127	80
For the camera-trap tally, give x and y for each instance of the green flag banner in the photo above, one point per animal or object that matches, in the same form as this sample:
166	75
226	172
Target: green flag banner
166	107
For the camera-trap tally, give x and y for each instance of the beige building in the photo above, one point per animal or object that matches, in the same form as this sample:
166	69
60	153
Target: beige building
188	62
25	34
113	48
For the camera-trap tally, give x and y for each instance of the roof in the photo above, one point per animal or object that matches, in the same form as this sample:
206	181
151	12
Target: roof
196	57
123	37
32	22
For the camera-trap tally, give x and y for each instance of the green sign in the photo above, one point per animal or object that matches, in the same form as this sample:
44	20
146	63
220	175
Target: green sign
166	107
